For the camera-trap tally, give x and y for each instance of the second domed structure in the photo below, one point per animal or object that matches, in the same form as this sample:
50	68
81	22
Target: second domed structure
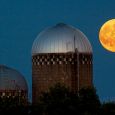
12	83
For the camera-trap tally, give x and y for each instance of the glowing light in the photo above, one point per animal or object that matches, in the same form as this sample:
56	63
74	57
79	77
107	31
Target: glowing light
107	35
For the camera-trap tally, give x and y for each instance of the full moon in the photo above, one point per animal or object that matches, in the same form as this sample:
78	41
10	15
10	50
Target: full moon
107	35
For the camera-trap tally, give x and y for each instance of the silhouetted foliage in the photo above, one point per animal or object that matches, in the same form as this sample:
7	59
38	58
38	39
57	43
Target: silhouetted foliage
108	108
56	101
59	100
89	101
12	105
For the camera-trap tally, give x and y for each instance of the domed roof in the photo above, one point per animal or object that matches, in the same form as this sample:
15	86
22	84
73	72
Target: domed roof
61	38
10	79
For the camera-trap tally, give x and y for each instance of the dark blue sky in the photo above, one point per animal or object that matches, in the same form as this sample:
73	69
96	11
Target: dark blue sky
22	20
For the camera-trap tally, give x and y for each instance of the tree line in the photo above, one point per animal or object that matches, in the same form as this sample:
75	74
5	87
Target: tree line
59	100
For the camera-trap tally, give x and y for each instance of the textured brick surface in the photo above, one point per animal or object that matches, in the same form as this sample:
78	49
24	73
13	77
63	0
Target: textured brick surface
74	70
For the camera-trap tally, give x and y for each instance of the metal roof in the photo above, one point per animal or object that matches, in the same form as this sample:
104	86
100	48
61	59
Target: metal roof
11	79
61	38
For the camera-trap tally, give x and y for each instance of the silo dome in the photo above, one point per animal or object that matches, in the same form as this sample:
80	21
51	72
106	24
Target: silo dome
61	54
11	79
61	38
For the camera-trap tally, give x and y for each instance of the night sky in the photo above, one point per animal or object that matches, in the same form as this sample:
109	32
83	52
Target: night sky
22	20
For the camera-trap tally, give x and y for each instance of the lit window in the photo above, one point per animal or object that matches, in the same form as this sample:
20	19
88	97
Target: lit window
9	94
51	59
64	59
3	94
60	56
60	62
45	59
53	56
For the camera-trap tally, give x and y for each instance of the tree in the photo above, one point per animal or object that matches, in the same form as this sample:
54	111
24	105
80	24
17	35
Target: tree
59	100
11	105
89	101
108	108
